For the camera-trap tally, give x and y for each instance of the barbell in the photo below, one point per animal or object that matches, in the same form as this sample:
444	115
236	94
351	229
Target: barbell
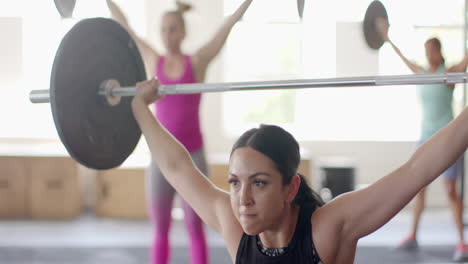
90	92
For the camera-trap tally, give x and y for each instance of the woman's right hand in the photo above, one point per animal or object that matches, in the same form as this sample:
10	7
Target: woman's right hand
148	91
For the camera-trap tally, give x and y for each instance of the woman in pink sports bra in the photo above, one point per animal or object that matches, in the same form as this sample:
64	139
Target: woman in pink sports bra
180	115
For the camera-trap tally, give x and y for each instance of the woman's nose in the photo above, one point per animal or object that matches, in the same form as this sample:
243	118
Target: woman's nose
245	196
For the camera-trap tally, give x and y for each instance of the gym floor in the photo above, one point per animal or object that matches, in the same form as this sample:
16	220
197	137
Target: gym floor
91	240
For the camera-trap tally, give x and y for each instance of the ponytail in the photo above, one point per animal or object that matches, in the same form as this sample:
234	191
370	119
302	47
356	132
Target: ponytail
306	196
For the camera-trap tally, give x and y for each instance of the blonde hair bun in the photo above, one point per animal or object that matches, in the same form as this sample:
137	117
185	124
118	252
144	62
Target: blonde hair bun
183	7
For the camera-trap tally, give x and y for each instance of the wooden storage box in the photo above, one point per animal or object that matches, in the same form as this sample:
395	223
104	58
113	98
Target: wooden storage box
14	176
120	193
54	188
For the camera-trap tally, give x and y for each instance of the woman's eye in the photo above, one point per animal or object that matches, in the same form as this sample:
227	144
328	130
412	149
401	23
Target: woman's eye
233	182
260	183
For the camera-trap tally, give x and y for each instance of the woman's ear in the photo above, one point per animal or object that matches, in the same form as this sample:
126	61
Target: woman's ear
293	188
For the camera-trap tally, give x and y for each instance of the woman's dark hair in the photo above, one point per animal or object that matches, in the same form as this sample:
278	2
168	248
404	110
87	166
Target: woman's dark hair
281	147
179	12
438	45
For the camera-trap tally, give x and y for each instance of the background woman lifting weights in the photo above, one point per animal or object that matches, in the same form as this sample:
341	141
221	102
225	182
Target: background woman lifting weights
180	115
436	101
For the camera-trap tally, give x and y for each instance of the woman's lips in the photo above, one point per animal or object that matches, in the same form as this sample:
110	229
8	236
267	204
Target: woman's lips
248	216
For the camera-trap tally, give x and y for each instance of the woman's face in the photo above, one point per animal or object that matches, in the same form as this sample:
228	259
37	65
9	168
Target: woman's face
258	197
172	32
433	54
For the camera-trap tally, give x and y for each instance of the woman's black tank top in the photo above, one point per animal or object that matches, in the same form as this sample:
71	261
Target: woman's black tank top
300	250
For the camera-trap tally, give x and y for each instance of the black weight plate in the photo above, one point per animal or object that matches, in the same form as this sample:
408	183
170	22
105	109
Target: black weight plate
65	7
300	7
97	135
373	38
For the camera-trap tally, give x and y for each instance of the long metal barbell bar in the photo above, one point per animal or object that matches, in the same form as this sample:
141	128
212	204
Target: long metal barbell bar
42	96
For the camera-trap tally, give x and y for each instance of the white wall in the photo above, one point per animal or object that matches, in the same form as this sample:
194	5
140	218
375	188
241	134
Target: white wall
362	61
11	49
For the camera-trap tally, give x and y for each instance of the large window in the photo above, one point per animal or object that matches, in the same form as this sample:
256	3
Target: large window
272	44
41	30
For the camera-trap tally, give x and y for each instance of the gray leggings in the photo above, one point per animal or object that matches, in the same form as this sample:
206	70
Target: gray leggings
160	195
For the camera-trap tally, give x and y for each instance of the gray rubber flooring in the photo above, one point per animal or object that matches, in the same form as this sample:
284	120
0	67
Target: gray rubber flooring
139	255
90	240
97	255
388	255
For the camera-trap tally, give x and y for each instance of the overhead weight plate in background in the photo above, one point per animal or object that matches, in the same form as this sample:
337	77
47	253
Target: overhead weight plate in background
373	38
300	7
65	7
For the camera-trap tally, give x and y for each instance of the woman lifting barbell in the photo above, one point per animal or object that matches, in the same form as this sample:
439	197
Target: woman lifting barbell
270	214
